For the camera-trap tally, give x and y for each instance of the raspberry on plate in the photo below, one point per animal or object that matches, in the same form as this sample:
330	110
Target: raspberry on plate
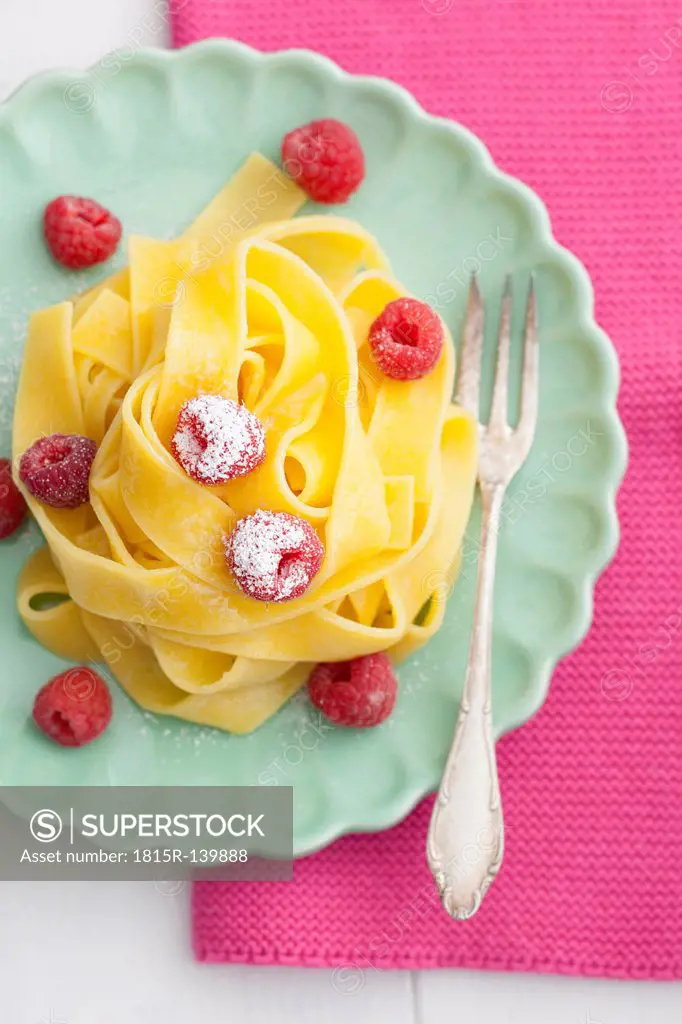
74	708
56	470
79	232
13	508
217	439
325	159
406	339
273	556
360	693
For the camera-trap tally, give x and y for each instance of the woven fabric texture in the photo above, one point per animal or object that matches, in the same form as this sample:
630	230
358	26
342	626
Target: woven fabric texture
581	100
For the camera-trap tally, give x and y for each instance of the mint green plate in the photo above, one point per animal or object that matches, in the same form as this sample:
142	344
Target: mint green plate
154	137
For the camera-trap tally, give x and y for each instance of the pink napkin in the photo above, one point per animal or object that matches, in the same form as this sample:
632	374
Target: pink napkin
582	101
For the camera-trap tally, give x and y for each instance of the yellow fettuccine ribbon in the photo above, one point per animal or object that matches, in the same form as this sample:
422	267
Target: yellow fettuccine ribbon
255	306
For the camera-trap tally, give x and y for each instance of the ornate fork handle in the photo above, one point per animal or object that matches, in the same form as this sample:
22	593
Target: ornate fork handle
466	835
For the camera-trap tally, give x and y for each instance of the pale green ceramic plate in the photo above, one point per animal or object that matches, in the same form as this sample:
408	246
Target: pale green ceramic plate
154	138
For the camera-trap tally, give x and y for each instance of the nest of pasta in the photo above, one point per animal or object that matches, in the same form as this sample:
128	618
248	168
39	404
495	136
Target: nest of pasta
274	312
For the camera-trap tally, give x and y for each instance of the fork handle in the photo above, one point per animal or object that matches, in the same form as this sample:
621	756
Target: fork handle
466	837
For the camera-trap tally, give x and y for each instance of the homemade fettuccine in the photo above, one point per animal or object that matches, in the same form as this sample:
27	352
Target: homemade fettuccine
273	312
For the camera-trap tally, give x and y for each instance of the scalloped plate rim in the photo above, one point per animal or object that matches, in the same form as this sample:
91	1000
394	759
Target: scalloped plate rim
387	813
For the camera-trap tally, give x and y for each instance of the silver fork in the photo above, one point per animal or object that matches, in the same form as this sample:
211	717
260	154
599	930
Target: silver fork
466	835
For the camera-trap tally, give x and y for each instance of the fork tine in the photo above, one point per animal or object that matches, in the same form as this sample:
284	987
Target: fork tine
498	408
531	367
469	376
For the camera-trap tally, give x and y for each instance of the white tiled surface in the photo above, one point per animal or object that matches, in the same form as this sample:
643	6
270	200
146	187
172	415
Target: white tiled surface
119	953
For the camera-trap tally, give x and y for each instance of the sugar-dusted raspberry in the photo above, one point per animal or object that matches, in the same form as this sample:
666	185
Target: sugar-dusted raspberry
273	556
217	439
74	708
406	339
79	232
56	469
325	159
360	693
13	508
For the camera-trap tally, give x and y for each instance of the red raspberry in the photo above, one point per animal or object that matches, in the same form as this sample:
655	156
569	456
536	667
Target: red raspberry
13	508
325	159
56	469
406	339
74	708
360	693
79	232
217	439
273	555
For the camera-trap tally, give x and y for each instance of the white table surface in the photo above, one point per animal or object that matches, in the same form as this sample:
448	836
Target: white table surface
119	953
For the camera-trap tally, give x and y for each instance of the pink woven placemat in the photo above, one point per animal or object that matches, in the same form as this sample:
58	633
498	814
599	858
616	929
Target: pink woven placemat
582	101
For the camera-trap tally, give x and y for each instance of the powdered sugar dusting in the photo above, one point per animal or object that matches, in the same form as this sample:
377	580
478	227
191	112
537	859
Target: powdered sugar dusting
217	439
273	555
